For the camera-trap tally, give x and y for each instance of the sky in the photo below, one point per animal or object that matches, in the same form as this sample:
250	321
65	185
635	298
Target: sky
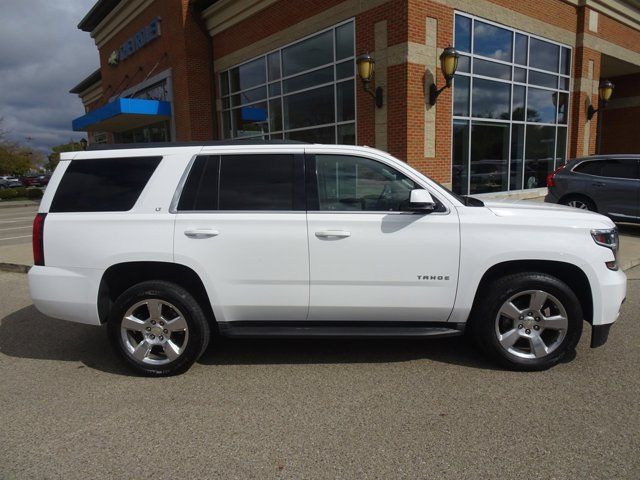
42	56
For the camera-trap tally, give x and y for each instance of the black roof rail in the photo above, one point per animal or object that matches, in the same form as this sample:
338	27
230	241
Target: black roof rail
208	143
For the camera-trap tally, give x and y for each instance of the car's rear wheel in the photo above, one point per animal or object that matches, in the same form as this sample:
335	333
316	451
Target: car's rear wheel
580	202
528	321
158	328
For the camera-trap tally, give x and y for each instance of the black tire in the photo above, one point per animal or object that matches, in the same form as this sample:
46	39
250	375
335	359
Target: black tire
486	326
195	337
586	201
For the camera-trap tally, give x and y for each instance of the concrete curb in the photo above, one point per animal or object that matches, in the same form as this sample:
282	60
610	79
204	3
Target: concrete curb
629	264
14	268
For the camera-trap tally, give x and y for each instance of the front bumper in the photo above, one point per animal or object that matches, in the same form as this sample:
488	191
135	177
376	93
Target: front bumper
608	300
599	335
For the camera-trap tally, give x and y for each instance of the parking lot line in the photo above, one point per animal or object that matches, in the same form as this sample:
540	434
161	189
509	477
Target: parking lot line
15	238
17	219
14	228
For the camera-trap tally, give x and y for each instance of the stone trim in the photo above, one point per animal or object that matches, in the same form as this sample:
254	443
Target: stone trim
431	64
328	18
117	19
617	9
608	48
227	13
520	21
586	85
381	57
91	93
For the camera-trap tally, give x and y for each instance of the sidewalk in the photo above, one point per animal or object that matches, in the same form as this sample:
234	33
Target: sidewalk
19	258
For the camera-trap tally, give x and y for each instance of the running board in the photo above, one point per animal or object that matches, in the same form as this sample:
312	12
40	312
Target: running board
339	329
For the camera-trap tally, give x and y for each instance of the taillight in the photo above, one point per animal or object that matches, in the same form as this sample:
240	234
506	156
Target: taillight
550	180
38	239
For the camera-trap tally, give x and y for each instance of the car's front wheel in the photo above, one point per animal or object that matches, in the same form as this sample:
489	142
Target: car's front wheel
158	328
528	321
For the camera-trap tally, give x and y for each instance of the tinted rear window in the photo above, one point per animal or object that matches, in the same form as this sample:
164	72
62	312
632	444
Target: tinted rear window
590	168
242	182
256	182
200	191
612	168
103	185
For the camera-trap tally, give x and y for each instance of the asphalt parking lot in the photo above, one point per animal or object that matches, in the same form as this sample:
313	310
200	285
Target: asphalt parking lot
16	225
311	409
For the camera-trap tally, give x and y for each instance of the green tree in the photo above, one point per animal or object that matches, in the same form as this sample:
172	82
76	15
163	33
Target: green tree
54	156
15	159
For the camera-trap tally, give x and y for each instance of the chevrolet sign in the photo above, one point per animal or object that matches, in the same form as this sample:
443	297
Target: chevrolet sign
135	43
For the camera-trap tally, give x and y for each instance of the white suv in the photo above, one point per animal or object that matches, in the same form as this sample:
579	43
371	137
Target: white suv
168	244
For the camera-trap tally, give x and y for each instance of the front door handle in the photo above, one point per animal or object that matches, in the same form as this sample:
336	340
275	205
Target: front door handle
201	233
333	234
599	184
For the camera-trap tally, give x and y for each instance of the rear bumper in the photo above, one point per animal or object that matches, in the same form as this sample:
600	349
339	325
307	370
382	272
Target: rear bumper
551	197
67	294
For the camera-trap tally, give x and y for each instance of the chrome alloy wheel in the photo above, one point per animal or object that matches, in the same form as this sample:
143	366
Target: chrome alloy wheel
578	204
531	324
154	332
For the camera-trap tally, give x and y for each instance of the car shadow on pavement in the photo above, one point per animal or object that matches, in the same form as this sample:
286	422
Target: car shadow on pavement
27	333
453	350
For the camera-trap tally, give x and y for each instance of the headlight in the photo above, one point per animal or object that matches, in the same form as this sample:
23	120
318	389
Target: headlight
608	238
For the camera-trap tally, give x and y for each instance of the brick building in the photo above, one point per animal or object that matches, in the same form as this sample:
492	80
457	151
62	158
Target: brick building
527	73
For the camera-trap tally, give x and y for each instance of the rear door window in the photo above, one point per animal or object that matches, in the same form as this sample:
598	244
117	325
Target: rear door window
103	185
247	182
611	168
593	167
623	168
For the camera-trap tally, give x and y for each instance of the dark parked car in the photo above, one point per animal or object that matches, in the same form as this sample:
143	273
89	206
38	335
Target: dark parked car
607	184
34	180
10	182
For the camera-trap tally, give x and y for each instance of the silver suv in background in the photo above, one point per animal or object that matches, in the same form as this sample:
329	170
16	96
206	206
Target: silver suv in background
607	184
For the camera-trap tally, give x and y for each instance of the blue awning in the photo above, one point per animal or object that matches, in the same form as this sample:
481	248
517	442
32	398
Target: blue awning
123	114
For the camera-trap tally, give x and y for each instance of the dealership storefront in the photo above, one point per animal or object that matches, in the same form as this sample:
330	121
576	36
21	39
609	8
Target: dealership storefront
518	106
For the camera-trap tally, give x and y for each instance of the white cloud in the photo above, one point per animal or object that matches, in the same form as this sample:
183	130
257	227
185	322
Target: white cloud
42	56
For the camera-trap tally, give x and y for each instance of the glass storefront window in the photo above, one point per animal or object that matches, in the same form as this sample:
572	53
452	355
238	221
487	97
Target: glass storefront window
538	155
490	99
491	41
157	132
510	107
489	154
303	91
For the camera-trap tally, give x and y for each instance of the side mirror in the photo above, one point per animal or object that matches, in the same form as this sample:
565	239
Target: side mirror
421	201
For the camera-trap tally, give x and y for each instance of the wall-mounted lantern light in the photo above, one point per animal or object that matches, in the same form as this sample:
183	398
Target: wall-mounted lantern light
449	65
366	71
605	90
83	143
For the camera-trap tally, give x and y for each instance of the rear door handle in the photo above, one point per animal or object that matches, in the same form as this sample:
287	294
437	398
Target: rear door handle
333	234
201	233
599	184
